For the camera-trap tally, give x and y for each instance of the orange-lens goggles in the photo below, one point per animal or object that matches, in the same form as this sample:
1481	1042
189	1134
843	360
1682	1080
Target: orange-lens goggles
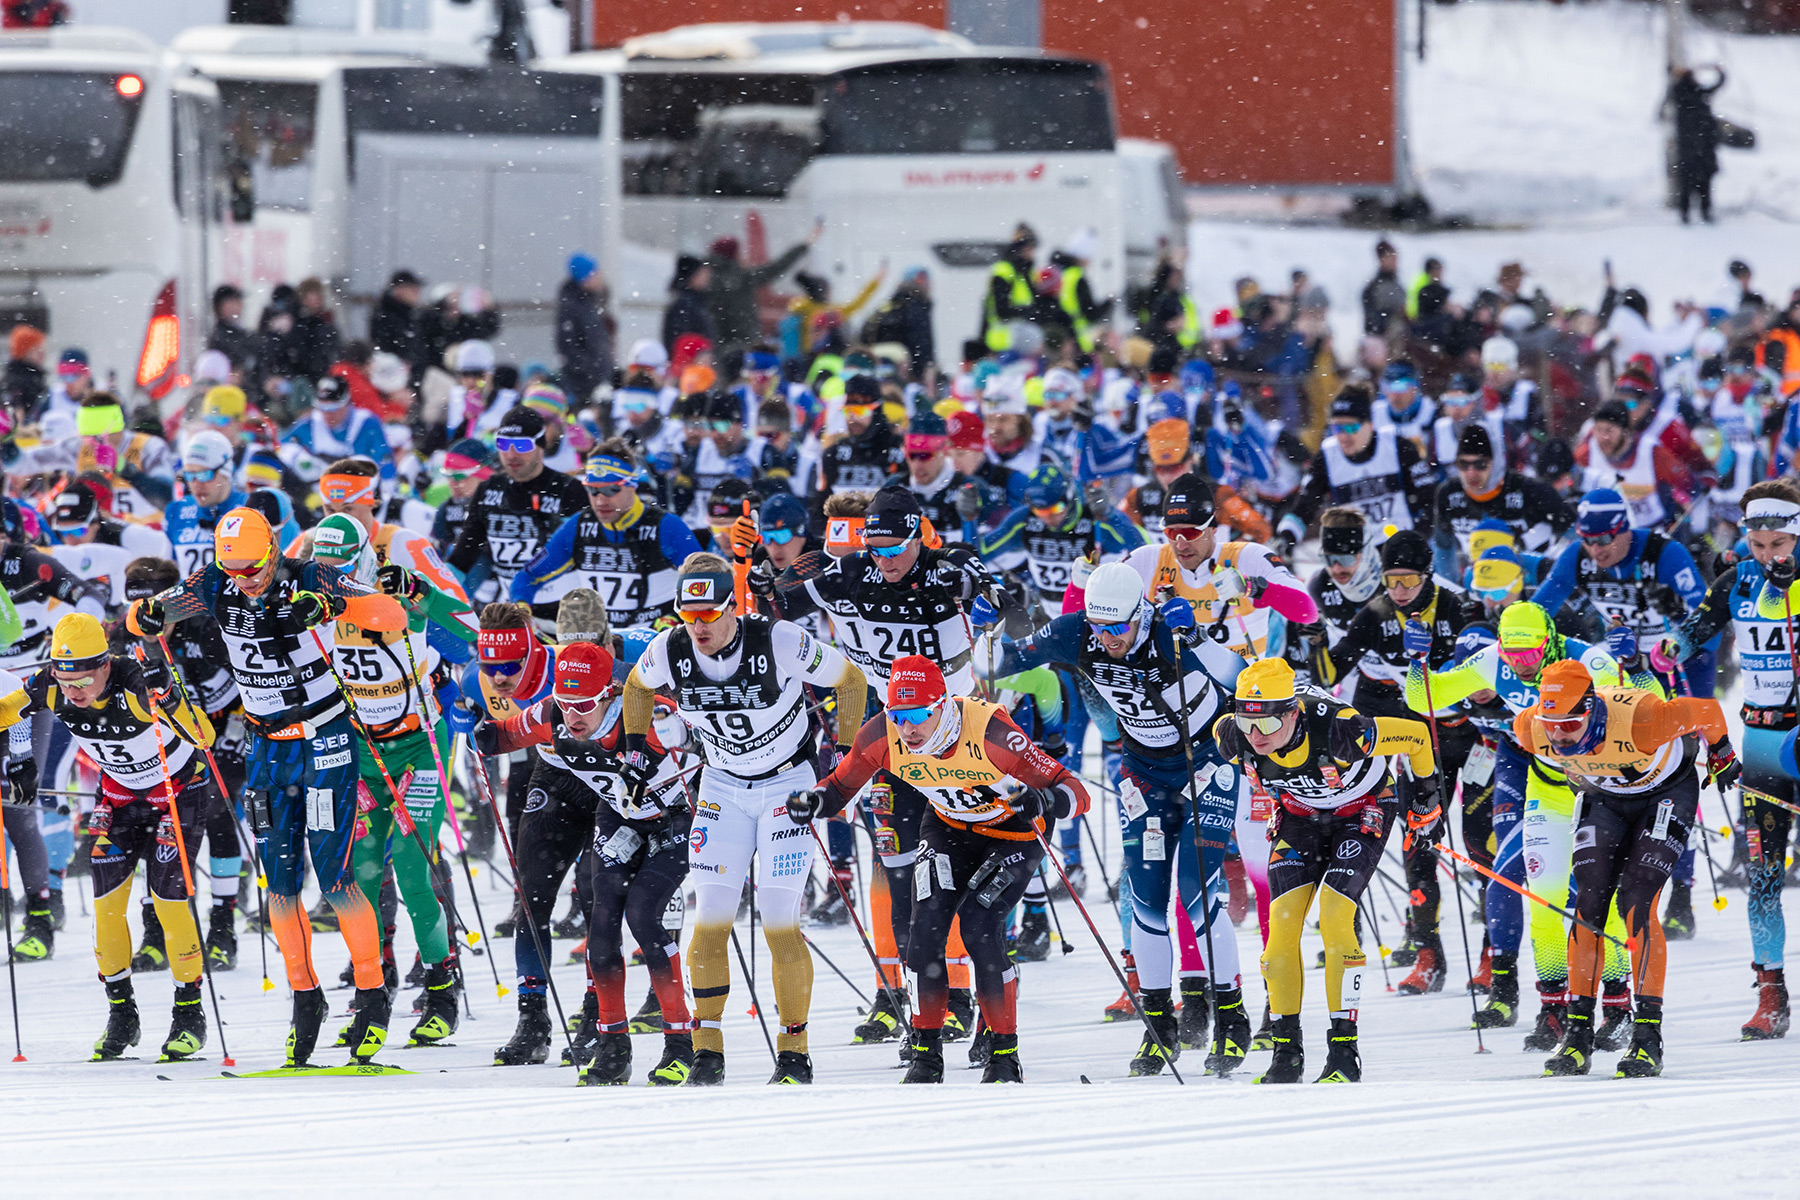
1402	579
248	572
701	616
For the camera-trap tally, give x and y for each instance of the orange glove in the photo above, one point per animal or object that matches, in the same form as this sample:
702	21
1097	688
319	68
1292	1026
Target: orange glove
744	537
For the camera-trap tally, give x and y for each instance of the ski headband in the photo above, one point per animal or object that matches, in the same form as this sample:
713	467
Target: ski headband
1770	514
706	589
349	489
504	645
609	468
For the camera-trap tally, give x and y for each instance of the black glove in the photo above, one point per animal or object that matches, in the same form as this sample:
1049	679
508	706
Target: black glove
397	581
485	737
22	774
1099	500
1028	804
1283	545
968	502
761	580
1781	573
152	617
1722	765
1057	804
1426	817
801	806
312	608
635	769
1314	633
1054	746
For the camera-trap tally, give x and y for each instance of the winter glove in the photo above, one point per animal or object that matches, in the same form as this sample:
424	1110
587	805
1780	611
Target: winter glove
1228	583
149	617
982	614
744	536
1056	804
1622	643
1082	568
312	608
398	582
761	580
1283	545
1099	500
1780	573
1313	633
801	806
635	769
485	737
1417	637
460	718
1177	614
1425	819
1722	765
1028	804
22	774
968	502
1665	656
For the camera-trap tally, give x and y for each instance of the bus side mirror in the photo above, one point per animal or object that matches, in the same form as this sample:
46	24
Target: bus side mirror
243	191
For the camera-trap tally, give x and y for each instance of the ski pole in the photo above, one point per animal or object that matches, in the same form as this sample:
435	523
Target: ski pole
813	946
1532	896
1111	961
1456	884
750	980
862	934
1112	893
1050	904
487	785
187	871
1206	890
12	977
1719	901
1368	906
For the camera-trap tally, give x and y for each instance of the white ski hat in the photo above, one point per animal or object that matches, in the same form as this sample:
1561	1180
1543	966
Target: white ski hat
1114	594
1500	352
207	450
475	355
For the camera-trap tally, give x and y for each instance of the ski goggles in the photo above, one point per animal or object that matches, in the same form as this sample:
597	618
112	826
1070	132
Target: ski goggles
605	489
1495	595
250	572
65	682
516	445
700	616
1350	428
1525	661
912	716
1602	539
1395	580
890	551
1569	724
859	410
1052	514
1267	726
1483	465
71	531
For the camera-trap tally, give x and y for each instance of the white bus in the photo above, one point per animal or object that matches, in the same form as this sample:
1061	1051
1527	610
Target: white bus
914	146
357	154
110	201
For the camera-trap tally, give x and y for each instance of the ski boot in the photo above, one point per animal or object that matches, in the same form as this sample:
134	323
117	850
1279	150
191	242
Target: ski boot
1644	1057
1615	1013
830	909
1553	1015
1195	1015
1289	1063
1407	952
927	1064
1232	1041
573	924
368	1032
1342	1063
882	1023
1678	913
960	1018
1003	1064
1427	973
324	918
708	1069
586	1033
221	937
649	1017
439	1018
1033	944
1077	879
37	938
310	1009
1165	1044
122	1028
982	1047
187	1031
1121	1009
1264	1038
1771	1017
676	1063
611	1064
791	1066
1237	902
531	1040
57	912
1576	1054
415	974
1483	980
1502	1009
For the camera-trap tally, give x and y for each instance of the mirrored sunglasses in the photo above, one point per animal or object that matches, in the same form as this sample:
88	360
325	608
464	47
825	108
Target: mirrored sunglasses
778	537
890	551
1267	726
504	670
912	716
1402	579
516	445
701	616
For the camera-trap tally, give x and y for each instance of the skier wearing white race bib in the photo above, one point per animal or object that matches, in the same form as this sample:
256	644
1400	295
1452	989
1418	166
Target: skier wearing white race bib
1373	470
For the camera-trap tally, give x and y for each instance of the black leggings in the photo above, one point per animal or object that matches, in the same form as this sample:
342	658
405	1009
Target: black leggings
635	892
1618	854
1455	742
555	827
910	807
1014	864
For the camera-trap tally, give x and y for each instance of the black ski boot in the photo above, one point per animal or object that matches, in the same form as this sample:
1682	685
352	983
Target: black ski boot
927	1064
960	1019
1232	1041
982	1047
677	1061
37	940
573	925
187	1031
1615	1015
649	1016
1407	952
1644	1058
1342	1063
1576	1054
1678	913
221	936
1502	1009
531	1040
830	908
1194	1014
1289	1063
310	1009
122	1028
580	1049
1003	1064
368	1031
883	1022
1264	1038
611	1064
1033	944
1155	1051
791	1066
1552	1018
415	974
708	1069
57	912
440	1016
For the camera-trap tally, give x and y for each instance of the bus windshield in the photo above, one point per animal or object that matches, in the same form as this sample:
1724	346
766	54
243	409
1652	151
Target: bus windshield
963	106
63	126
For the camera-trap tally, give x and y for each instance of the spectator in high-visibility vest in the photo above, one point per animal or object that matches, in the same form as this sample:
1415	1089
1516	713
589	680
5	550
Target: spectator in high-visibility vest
1009	289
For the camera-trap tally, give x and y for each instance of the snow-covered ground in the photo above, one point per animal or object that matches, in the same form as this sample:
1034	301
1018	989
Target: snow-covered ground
1432	1118
1540	122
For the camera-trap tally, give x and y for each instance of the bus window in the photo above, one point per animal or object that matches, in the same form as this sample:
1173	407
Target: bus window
984	106
706	134
60	126
269	131
491	101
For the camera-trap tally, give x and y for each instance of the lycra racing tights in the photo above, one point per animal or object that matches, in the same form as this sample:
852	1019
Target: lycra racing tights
1251	837
556	826
132	839
412	769
891	891
1766	829
1625	847
1335	856
1549	828
975	879
637	867
1455	741
734	821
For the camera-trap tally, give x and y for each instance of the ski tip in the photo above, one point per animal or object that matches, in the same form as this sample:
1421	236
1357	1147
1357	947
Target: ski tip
1085	1079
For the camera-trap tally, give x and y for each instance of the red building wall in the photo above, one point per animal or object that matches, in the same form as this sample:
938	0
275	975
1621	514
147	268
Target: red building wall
1272	92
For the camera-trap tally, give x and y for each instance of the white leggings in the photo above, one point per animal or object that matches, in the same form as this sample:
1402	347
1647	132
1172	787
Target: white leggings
736	819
